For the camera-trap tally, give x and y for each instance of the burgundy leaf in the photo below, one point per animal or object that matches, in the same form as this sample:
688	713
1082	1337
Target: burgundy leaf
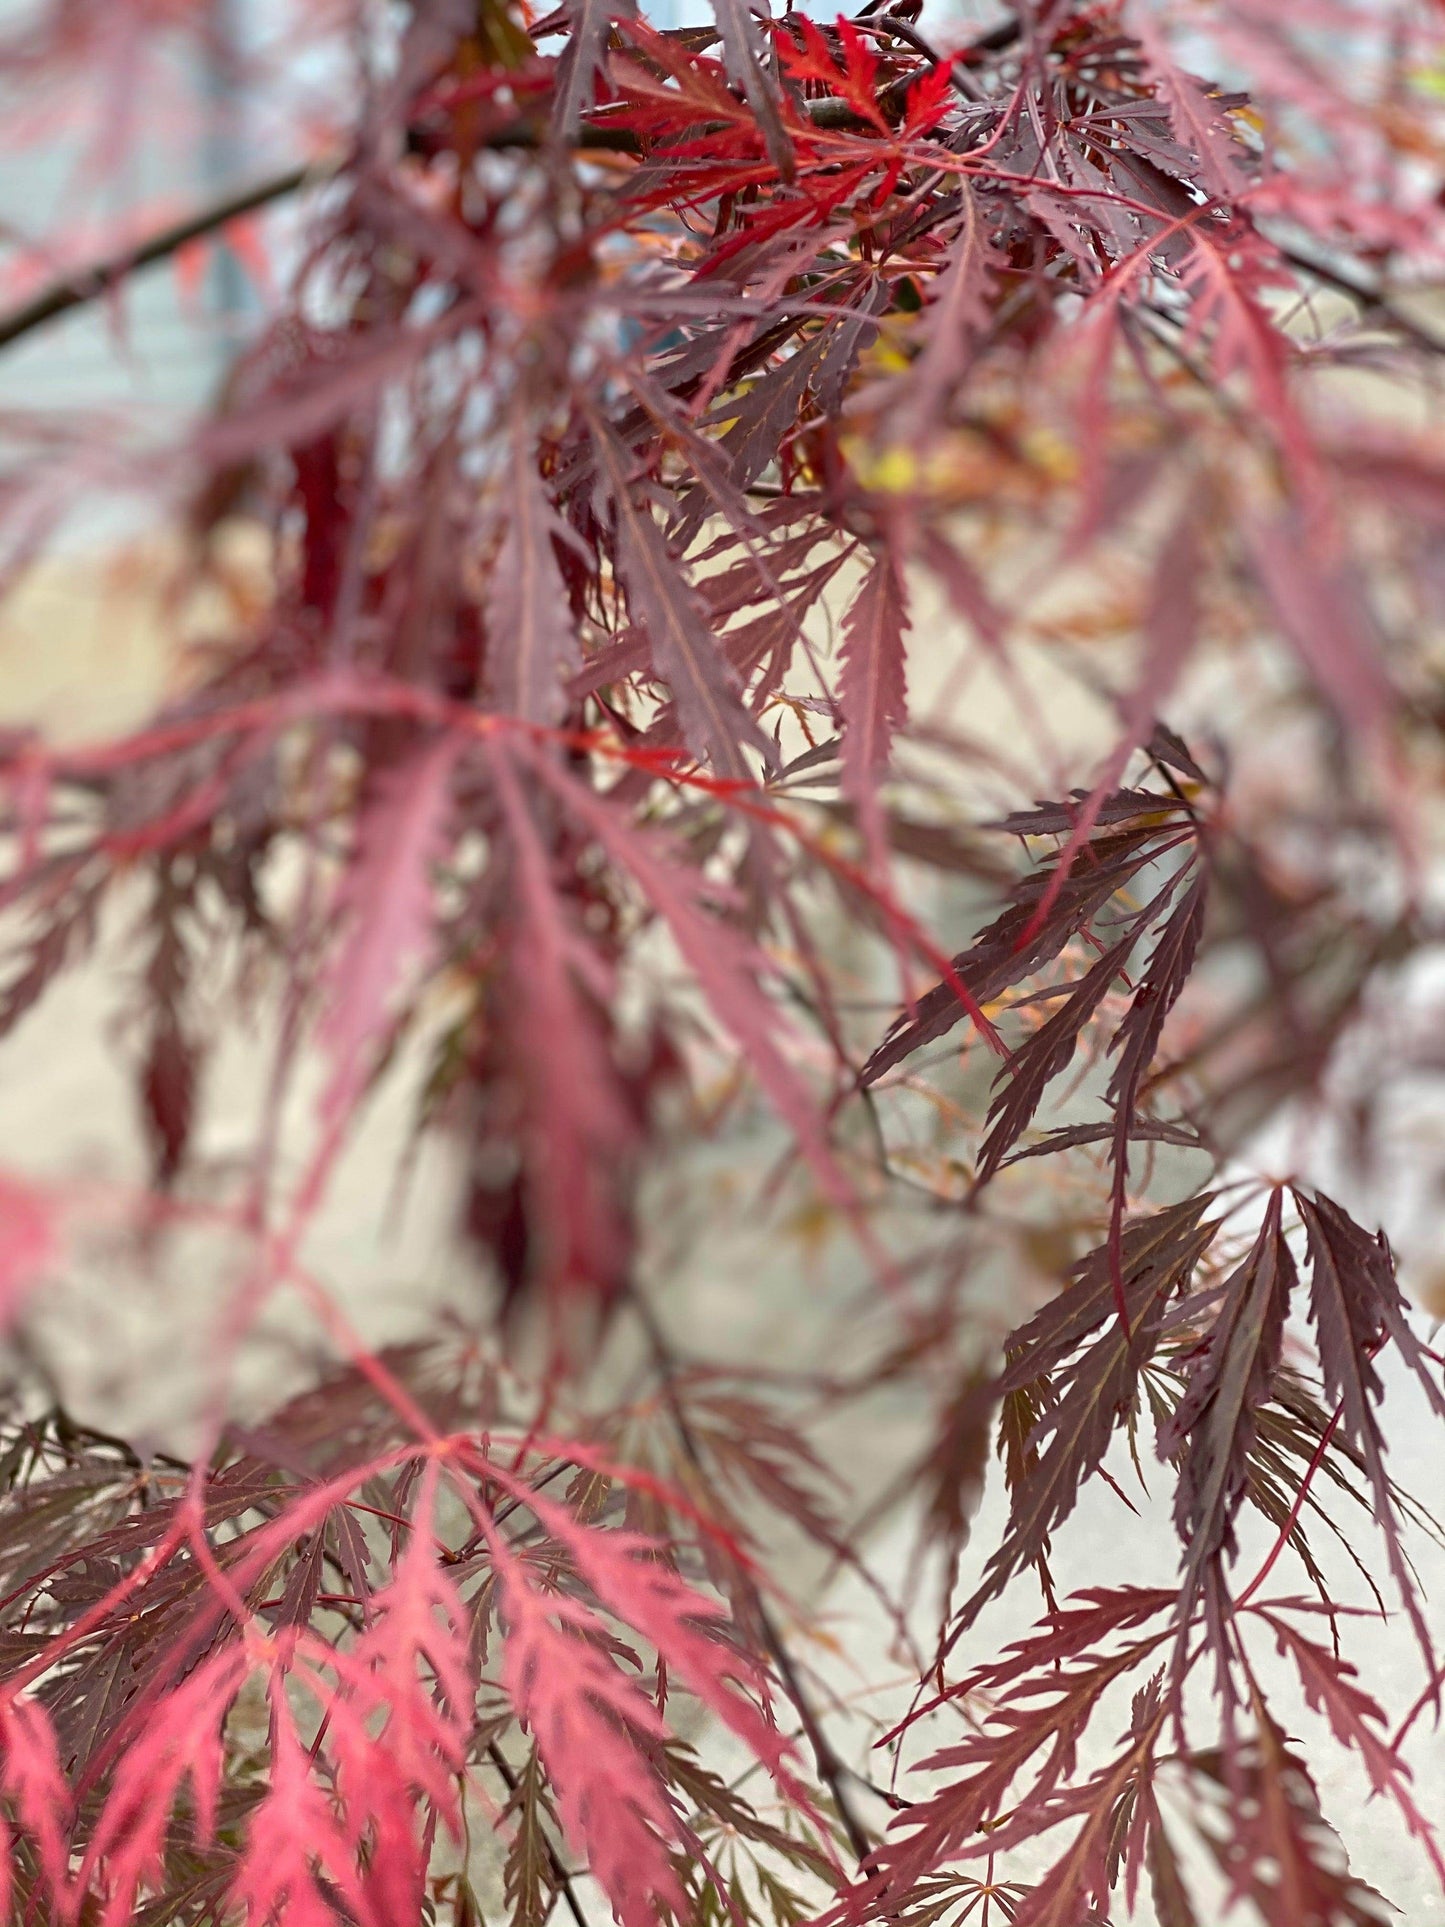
1093	1393
386	898
584	62
534	640
1231	1378
874	688
661	600
1134	829
581	1133
1198	119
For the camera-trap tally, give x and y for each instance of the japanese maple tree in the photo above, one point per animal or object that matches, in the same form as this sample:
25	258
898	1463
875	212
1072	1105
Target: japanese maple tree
635	417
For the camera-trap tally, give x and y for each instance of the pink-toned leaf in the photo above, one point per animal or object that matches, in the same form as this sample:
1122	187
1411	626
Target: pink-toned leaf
295	1841
725	964
533	639
582	1136
590	1722
626	1573
35	1784
386	898
874	689
412	1677
181	1742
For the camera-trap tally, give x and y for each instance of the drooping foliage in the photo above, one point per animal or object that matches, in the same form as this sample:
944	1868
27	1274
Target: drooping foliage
704	474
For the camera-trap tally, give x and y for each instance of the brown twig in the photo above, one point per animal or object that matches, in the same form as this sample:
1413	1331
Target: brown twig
84	285
831	1769
560	1875
1371	297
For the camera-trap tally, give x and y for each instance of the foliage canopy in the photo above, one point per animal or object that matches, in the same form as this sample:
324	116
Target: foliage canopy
614	367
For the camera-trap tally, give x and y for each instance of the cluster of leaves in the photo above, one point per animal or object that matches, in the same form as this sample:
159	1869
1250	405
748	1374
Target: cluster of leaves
606	377
276	1691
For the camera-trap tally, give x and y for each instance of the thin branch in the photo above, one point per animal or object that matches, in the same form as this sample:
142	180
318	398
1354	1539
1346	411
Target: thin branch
85	285
831	1769
561	1878
1373	298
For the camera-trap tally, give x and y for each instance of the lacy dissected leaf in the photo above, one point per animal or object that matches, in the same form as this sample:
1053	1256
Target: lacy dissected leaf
873	690
1173	1903
1043	1056
410	1687
1143	1130
590	1723
1092	1392
1077	1886
1294	1432
1041	1696
1356	1301
149	1612
673	95
529	1875
683	1627
1049	1050
299	1861
1356	1306
661	601
1209	138
1135	828
951	325
182	1745
533	638
752	1450
721	1811
1357	1721
581	1133
1281	1853
762	415
1231	1377
387	898
598	1733
584	62
844	60
345	1820
38	1793
745	50
1165	975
